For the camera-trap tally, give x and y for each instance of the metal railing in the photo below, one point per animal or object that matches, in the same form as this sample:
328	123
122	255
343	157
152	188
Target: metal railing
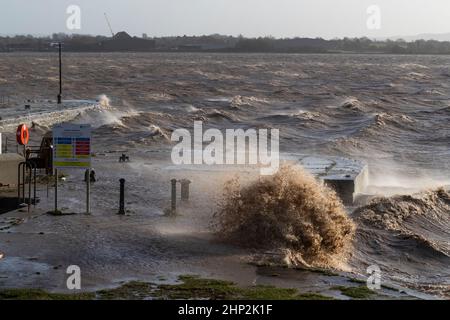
24	169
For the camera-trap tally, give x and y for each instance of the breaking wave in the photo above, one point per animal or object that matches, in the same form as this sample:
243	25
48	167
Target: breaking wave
352	104
242	101
409	238
106	115
413	217
104	101
289	211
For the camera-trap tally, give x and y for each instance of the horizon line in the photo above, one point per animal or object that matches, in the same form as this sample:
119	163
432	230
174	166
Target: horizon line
378	38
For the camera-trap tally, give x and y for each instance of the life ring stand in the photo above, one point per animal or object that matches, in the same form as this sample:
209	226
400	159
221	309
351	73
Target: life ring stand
22	135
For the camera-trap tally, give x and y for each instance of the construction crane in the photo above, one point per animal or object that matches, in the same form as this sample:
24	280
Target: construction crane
109	25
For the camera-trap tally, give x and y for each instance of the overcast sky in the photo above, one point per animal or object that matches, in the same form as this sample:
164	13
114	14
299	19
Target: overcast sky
279	18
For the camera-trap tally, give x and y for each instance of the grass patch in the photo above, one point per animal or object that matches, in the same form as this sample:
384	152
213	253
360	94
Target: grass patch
361	292
37	294
134	290
197	288
190	287
267	293
313	296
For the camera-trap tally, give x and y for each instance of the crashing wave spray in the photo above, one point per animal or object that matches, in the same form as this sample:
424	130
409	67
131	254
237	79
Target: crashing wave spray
103	100
106	115
290	211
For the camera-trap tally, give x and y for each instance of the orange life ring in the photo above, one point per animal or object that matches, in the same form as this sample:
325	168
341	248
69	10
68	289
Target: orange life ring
22	135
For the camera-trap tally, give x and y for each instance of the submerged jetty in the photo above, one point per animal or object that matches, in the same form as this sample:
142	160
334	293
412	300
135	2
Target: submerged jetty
44	112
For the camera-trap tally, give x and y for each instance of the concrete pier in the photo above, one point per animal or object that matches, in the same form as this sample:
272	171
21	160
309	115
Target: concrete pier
347	177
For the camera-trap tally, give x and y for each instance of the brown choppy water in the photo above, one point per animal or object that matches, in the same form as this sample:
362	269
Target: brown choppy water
391	111
409	236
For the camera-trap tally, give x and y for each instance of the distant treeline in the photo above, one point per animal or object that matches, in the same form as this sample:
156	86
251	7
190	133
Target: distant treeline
218	43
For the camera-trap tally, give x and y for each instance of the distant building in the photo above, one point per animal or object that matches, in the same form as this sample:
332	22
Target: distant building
122	41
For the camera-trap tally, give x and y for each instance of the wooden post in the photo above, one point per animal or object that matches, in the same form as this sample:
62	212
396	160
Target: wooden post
185	189
174	196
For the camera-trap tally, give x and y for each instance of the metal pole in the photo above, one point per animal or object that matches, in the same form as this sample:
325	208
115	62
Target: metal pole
174	195
122	197
34	181
34	169
60	74
30	177
23	182
18	184
88	191
56	190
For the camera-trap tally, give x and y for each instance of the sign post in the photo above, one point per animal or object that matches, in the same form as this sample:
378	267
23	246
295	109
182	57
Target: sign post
72	149
56	191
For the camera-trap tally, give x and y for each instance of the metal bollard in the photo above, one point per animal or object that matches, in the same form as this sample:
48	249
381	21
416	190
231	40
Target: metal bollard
185	189
122	197
174	195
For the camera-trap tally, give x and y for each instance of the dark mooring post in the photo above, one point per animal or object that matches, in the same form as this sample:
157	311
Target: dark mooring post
174	196
60	73
185	189
122	197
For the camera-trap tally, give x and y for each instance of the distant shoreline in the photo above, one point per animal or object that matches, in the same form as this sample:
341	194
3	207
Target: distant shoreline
123	42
